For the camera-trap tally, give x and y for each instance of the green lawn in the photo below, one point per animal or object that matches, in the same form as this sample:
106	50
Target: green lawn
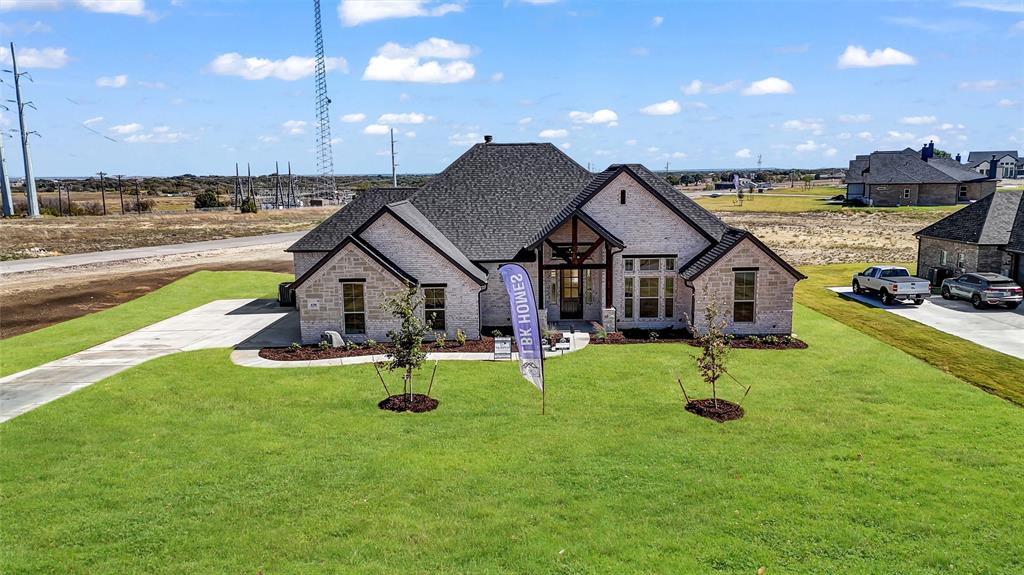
854	458
54	342
778	204
996	372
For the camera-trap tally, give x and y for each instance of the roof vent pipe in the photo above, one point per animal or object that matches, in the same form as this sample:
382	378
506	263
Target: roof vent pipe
488	138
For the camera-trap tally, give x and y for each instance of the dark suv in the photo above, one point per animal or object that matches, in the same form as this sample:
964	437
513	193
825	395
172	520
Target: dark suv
983	289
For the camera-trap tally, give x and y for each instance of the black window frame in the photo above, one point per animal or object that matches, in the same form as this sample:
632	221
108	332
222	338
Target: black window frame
437	316
746	307
358	327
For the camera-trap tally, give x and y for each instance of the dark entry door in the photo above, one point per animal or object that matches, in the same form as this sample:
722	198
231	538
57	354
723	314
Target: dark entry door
571	303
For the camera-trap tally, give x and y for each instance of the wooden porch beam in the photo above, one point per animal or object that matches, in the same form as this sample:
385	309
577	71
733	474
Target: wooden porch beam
592	249
575	240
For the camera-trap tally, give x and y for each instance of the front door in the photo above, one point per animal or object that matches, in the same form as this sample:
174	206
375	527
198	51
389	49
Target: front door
571	301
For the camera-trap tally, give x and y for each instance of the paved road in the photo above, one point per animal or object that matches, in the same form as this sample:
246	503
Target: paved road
35	264
223	323
995	328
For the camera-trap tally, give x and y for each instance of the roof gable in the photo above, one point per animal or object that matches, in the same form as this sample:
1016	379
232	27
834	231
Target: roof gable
346	220
733	237
978	157
988	221
364	247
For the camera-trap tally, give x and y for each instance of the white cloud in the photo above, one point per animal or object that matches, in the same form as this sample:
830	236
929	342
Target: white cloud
630	142
854	118
294	127
844	135
1007	103
127	7
551	134
698	87
974	86
830	152
602	152
467	139
858	57
119	81
267	139
356	12
410	134
353	118
376	130
679	155
289	69
395	63
917	120
809	146
766	86
124	129
666	108
639	51
565	145
814	125
24	28
404	118
152	85
1010	7
159	135
524	121
92	121
603	116
866	136
51	58
744	153
497	77
653	149
657	21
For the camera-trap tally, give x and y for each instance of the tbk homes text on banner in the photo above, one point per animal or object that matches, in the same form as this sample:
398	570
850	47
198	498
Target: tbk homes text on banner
525	325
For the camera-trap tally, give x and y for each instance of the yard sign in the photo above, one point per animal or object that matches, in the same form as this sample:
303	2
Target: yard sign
525	325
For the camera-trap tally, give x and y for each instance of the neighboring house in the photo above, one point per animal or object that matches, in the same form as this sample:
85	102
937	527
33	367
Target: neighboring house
621	247
986	236
910	178
1007	164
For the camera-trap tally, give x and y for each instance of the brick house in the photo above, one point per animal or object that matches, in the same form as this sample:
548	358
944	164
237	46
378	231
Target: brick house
910	178
621	247
986	236
997	164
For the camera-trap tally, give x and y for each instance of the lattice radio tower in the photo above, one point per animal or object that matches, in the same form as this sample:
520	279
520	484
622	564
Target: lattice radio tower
324	154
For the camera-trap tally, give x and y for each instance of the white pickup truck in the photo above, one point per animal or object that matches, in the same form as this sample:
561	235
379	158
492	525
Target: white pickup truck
891	283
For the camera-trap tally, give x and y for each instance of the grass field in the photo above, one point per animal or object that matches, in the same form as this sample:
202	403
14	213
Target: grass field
37	347
998	373
781	204
191	464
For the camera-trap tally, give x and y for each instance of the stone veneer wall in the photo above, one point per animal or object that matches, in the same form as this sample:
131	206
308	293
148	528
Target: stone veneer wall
462	294
773	307
976	258
319	299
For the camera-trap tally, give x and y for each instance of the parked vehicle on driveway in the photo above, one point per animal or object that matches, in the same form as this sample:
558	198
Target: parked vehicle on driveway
891	283
983	289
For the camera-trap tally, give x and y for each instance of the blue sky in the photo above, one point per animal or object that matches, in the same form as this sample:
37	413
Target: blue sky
196	85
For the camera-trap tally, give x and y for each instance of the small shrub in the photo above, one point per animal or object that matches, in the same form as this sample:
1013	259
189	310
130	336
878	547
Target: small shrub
351	345
653	336
143	205
324	344
771	340
248	206
460	337
207	199
370	344
616	336
754	340
439	339
600	332
496	333
787	339
295	346
553	336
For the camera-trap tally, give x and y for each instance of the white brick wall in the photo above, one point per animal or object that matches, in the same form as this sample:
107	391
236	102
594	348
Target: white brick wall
646	226
773	307
494	310
393	239
305	260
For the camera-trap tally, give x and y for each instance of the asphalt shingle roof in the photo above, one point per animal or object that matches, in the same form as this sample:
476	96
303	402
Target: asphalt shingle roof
988	221
408	213
978	157
343	222
1016	243
907	167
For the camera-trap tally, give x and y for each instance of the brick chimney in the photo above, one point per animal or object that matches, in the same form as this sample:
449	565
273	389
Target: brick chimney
488	139
928	151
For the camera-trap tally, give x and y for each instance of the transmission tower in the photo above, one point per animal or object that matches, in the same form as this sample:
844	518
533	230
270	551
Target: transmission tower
30	180
324	154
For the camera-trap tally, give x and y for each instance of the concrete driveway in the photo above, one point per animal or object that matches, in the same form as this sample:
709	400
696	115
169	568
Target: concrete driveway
222	323
995	328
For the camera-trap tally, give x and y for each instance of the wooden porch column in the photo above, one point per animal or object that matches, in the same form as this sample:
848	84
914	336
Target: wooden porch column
607	275
540	277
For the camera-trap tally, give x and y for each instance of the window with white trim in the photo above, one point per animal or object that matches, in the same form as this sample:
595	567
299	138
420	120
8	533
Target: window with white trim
744	292
354	308
943	257
628	294
649	287
906	194
434	306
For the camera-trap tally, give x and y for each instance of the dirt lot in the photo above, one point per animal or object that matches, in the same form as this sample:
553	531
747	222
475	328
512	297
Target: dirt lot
50	236
837	237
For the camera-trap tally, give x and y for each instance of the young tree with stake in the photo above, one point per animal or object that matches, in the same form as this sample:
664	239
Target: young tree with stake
407	341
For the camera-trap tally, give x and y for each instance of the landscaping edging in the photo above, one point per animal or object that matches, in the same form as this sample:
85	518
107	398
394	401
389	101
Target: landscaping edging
315	353
251	357
736	343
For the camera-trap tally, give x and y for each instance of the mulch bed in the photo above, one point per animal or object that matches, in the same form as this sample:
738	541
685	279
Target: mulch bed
419	403
722	412
738	343
312	352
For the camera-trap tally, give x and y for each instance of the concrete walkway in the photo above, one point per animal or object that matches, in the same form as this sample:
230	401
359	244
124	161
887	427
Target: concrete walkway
251	357
995	328
223	323
73	260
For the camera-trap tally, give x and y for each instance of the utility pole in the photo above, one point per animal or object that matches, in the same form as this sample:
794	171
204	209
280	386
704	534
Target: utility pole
394	165
67	190
277	186
5	180
138	202
103	191
291	188
30	180
120	191
238	188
